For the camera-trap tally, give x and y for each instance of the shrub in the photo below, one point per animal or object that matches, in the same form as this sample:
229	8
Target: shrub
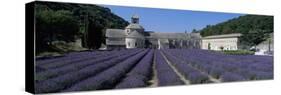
238	52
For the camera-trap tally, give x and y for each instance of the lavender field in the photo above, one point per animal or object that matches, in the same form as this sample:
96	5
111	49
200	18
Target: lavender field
131	68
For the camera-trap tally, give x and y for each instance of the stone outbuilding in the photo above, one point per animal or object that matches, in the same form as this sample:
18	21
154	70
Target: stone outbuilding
221	42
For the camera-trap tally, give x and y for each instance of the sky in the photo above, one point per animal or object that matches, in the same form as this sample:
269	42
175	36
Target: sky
168	20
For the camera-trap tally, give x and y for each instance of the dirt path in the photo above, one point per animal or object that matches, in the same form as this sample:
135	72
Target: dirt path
175	70
154	80
214	79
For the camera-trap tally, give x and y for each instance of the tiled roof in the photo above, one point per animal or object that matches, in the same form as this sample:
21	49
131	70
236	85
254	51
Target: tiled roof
115	42
174	35
223	36
136	34
135	16
118	33
134	26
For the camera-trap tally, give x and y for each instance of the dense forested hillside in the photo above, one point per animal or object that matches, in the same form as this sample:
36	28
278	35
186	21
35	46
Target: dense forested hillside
255	28
59	24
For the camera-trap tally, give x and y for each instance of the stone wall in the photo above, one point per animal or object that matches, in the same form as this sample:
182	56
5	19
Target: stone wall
220	44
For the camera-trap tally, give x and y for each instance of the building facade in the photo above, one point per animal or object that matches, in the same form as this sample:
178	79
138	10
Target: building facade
265	47
135	36
221	42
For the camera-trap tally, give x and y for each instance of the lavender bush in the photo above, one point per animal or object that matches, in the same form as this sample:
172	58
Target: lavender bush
166	75
108	78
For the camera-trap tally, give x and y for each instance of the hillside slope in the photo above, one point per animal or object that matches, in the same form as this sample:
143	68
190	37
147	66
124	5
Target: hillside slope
255	28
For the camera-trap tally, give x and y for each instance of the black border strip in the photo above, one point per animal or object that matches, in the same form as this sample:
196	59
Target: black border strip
29	47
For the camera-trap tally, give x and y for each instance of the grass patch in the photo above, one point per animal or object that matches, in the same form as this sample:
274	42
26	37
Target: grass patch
238	52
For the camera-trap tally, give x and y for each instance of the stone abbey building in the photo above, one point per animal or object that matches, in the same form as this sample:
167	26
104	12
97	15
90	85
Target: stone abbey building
135	36
221	42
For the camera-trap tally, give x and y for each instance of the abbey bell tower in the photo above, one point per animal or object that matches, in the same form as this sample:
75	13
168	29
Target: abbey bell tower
134	25
135	19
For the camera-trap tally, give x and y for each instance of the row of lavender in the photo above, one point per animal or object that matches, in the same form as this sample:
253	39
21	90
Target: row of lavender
224	67
108	78
165	74
69	64
133	68
72	73
193	75
69	58
107	70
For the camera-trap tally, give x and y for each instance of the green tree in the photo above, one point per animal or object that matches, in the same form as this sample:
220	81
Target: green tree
68	21
54	26
254	28
254	37
194	31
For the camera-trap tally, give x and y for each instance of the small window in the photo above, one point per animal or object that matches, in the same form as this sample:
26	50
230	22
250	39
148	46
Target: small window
135	44
128	43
